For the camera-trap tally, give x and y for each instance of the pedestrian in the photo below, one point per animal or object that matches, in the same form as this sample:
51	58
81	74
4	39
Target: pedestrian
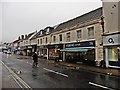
35	58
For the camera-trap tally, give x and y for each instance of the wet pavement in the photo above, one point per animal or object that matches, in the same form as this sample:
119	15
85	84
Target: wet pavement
52	75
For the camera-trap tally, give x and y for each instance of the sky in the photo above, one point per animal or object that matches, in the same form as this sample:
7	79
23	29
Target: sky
19	17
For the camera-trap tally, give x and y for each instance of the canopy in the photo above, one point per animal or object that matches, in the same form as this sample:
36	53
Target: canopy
74	50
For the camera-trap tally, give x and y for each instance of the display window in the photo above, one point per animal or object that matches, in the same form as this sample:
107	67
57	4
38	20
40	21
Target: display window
113	54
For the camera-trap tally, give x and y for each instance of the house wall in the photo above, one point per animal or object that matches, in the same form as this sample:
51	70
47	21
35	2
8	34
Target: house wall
111	16
73	37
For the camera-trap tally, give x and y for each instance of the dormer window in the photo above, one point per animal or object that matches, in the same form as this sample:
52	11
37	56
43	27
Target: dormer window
41	32
47	30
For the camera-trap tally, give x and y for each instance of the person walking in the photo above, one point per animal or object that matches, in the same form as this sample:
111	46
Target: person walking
35	58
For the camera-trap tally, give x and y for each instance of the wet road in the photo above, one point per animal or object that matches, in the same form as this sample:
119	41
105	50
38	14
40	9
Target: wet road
50	75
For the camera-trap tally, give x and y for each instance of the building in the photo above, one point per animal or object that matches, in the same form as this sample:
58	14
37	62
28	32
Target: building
76	40
26	44
91	38
111	36
43	41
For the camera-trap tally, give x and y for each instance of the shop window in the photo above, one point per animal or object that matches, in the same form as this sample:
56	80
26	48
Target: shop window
68	37
79	34
91	32
113	54
60	37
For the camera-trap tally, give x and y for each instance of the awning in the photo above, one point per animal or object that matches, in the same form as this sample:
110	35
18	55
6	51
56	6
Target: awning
74	50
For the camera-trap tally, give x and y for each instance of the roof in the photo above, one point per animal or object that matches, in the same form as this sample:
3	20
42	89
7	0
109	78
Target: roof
29	35
92	15
44	32
15	41
95	14
36	35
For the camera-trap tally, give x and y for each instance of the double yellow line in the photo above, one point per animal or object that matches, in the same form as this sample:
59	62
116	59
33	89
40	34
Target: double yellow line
22	84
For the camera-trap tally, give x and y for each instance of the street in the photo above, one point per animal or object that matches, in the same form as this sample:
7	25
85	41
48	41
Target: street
17	72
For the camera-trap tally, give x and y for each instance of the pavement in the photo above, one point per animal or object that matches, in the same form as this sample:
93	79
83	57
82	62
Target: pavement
79	66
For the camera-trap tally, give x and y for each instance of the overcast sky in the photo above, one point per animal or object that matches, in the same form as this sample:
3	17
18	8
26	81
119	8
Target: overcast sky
25	17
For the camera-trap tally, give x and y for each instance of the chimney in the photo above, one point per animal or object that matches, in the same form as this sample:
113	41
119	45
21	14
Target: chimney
26	36
22	36
19	38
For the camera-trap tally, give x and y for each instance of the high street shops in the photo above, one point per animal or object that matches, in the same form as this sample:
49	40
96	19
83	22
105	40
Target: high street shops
112	50
80	52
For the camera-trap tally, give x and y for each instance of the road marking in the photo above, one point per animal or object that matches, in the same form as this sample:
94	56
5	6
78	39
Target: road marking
17	81
100	86
17	78
55	72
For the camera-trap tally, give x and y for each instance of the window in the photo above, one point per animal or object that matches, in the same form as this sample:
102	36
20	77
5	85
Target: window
79	34
113	54
60	37
46	40
48	30
91	32
68	37
54	38
43	40
40	41
41	32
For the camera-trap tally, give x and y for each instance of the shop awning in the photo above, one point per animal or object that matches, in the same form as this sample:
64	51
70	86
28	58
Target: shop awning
74	50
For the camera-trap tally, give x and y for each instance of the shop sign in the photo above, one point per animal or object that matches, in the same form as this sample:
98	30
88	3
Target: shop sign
55	46
111	40
29	46
81	44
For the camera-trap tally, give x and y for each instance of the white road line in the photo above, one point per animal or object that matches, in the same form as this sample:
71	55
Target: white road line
17	78
100	86
55	72
17	81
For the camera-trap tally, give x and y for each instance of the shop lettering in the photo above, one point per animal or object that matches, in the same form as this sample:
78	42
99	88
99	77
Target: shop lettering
81	44
70	45
90	43
77	44
110	40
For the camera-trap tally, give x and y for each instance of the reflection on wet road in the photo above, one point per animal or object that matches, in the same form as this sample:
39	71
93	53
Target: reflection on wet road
55	76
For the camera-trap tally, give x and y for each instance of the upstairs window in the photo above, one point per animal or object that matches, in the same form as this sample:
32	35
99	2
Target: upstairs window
54	38
60	37
48	30
40	41
68	37
79	34
91	32
46	40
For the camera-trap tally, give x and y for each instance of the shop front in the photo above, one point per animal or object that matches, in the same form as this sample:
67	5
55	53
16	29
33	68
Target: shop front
42	51
112	50
23	50
80	52
31	49
54	51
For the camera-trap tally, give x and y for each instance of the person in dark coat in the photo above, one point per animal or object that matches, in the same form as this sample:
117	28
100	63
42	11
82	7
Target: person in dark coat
35	58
